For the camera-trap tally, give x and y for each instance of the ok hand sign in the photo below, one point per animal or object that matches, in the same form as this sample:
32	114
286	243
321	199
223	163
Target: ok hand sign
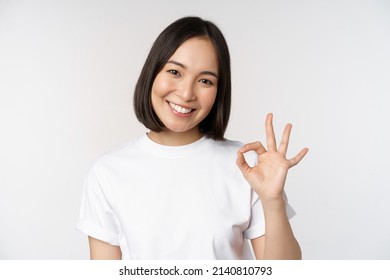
268	176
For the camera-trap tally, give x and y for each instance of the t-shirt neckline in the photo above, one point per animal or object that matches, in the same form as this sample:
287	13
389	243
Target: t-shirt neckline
173	151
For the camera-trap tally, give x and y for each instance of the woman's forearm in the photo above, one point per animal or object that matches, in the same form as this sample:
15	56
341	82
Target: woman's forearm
280	242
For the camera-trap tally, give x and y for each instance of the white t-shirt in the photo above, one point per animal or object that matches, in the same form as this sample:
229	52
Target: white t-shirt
172	202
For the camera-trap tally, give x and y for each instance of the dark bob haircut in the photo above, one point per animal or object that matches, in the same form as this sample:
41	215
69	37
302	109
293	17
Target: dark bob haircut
214	125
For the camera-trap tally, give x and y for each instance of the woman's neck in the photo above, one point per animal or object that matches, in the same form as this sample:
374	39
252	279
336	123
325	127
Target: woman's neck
171	138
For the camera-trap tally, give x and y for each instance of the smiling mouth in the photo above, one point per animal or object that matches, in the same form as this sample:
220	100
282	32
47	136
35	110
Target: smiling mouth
180	109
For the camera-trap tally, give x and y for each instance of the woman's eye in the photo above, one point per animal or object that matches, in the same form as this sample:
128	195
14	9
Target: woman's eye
174	72
206	82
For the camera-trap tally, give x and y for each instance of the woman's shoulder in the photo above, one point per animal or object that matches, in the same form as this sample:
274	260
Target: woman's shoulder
117	155
231	147
227	144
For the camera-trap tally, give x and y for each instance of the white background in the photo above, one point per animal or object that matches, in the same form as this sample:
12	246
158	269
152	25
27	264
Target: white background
67	74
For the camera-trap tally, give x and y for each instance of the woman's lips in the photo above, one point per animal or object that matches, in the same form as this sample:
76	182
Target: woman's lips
178	109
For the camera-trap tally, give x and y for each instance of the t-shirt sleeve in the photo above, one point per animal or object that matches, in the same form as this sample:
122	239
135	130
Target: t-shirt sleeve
97	218
257	223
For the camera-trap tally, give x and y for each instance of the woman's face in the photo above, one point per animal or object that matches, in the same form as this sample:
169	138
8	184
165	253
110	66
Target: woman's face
184	91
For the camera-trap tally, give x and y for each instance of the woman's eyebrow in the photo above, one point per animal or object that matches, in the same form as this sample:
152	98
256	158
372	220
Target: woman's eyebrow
177	63
184	67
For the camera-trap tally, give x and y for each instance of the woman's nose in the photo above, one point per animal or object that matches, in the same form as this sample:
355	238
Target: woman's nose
187	91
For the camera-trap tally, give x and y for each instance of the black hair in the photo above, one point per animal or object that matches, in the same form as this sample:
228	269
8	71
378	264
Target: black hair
172	37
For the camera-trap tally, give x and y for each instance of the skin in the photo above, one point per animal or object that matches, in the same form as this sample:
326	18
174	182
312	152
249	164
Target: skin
267	179
100	250
190	79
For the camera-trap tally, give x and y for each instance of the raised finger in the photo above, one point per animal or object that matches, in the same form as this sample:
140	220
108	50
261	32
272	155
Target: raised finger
295	160
269	130
254	146
285	139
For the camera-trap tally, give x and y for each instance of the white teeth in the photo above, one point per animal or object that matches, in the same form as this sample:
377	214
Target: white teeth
179	109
